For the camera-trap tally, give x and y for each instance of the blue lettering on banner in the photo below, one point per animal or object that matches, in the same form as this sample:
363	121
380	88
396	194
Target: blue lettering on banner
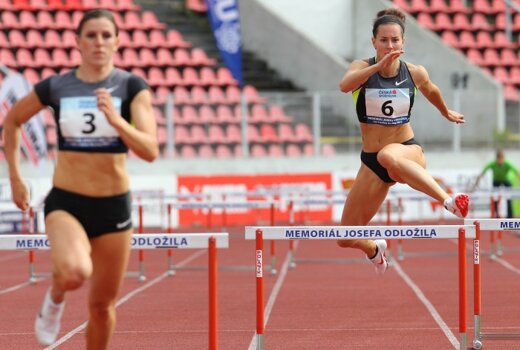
159	242
32	243
510	225
362	233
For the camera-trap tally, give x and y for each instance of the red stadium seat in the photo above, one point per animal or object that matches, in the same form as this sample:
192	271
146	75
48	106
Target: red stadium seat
216	135
188	151
233	94
467	40
259	115
189	115
62	20
498	6
252	95
190	76
199	95
225	77
9	20
484	40
156	77
200	58
286	134
205	151
198	134
501	74
233	134
17	38
47	72
511	93
491	57
72	5
258	150
207	115
139	72
461	22
225	115
207	77
176	40
308	149
479	22
159	116
293	150
132	20
199	6
128	5
274	150
131	58
25	58
35	39
140	39
7	58
450	38
150	21
51	39
508	57
158	39
164	57
268	133
147	57
223	151
501	40
303	132
439	6
216	95
31	75
426	21
173	77
482	6
328	149
514	75
181	135
108	4
181	95
458	6
4	42
443	21
160	95
417	6
253	135
181	57
278	115
475	56
60	58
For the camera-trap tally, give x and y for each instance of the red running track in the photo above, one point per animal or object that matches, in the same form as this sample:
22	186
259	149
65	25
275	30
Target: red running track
331	300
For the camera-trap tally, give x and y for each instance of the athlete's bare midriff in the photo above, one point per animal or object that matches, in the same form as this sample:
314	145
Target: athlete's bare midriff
375	137
91	174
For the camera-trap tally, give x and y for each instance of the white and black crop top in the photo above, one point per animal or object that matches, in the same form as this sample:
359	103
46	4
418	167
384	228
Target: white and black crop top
81	126
385	101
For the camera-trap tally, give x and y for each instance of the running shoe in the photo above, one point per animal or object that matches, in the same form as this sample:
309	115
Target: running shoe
380	262
47	325
458	204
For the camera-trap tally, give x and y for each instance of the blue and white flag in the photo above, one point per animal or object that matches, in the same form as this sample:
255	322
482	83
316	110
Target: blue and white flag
225	21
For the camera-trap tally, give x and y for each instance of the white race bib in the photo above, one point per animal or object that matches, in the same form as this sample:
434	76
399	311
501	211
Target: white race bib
83	125
387	103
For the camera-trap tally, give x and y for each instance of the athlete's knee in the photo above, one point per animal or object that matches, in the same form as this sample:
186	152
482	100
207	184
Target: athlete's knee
72	276
387	159
102	311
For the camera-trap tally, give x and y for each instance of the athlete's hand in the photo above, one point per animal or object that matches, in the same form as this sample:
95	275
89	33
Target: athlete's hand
105	105
390	57
20	194
455	117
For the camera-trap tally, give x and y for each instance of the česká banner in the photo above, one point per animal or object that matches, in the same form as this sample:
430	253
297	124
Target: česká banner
225	21
33	140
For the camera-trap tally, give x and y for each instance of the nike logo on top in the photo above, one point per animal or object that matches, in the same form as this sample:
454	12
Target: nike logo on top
110	89
397	83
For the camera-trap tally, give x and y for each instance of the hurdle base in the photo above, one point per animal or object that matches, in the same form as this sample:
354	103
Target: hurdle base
463	341
259	342
496	336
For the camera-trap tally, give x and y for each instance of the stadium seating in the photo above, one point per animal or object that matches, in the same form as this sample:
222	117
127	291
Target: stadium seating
38	39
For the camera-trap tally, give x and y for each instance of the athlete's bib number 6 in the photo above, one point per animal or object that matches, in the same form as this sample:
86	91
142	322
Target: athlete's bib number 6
387	109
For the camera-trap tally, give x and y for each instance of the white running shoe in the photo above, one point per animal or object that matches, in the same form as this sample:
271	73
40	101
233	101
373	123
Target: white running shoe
458	204
379	261
47	325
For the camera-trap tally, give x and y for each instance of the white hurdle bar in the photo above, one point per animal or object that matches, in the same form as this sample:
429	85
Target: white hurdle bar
486	225
259	233
210	241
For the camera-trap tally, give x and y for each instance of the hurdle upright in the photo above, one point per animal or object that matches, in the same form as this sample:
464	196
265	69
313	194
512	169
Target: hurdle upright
210	241
486	225
259	233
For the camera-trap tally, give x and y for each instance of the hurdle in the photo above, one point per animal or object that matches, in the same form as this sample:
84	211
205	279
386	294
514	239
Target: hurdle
486	225
291	233
209	241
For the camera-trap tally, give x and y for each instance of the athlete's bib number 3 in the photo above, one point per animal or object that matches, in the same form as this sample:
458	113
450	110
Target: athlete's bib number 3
93	122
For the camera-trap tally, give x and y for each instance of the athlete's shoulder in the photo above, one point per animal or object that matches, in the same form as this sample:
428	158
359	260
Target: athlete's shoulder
419	73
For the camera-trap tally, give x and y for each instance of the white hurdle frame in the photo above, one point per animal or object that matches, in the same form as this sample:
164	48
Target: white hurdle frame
210	241
486	225
259	233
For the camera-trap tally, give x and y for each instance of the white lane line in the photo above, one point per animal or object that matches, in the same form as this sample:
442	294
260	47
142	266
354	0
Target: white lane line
273	296
18	286
433	312
126	298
